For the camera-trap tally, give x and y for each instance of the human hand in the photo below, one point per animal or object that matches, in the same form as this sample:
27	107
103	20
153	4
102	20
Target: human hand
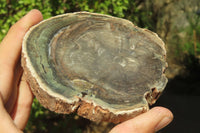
15	95
149	122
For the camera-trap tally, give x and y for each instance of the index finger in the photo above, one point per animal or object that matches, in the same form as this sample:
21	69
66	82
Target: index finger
10	47
10	50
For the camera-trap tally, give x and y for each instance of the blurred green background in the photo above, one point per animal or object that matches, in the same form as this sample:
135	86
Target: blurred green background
175	21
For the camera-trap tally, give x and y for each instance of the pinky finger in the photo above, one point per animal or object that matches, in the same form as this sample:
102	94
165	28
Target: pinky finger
23	105
7	124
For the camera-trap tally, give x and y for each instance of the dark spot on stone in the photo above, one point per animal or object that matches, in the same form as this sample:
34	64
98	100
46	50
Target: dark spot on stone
83	94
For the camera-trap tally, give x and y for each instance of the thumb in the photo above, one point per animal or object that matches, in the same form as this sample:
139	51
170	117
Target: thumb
7	124
149	122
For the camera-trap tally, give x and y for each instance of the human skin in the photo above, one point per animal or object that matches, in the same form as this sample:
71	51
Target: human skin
16	97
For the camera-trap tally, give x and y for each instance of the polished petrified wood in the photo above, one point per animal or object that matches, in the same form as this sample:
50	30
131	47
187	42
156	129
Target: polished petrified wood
102	67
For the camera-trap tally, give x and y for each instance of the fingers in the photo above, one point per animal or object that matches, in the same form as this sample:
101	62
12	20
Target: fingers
22	109
6	121
10	50
11	44
149	122
12	100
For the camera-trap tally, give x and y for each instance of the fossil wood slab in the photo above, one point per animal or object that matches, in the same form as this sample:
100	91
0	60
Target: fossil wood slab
102	67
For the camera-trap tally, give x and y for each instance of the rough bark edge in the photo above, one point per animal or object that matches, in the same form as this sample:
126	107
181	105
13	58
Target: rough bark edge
83	108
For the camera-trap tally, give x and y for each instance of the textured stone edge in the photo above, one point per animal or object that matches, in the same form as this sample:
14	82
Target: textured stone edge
83	108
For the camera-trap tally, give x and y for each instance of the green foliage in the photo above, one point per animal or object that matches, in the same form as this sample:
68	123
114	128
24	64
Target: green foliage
42	120
192	45
13	10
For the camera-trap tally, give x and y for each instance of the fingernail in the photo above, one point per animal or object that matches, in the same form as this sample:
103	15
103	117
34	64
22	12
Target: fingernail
164	122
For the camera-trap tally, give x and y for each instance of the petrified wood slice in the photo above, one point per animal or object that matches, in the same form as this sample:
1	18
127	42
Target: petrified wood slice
102	67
